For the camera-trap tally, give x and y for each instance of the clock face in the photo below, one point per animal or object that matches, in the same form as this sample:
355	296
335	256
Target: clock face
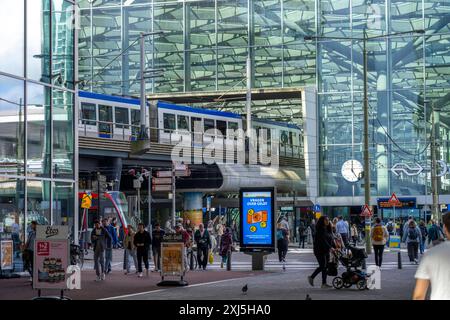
352	170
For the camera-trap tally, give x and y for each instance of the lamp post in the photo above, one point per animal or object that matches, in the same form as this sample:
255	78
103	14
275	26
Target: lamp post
364	39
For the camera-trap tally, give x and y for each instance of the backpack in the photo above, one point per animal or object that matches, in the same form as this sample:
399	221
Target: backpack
412	234
279	234
378	234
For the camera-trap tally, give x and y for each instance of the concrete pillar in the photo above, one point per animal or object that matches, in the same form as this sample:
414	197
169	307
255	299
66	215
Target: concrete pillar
115	175
382	127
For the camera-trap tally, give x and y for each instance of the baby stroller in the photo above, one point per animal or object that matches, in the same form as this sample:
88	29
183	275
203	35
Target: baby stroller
351	260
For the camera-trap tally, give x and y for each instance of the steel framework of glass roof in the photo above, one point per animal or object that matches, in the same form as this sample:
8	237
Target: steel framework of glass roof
206	43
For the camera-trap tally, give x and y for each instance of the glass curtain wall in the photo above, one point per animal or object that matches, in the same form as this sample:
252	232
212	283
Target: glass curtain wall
204	45
37	149
407	81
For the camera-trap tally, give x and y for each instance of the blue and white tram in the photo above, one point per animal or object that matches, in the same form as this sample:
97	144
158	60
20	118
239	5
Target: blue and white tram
116	117
207	125
108	116
289	135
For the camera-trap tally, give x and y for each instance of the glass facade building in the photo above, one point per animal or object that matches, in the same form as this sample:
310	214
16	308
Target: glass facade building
37	98
297	43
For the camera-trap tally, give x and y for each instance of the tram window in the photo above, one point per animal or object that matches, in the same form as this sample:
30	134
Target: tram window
290	139
284	137
222	127
169	122
183	122
196	124
208	124
294	138
135	117
88	113
105	115
233	125
121	115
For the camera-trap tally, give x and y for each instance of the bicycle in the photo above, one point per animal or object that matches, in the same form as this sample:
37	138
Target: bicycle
191	257
76	255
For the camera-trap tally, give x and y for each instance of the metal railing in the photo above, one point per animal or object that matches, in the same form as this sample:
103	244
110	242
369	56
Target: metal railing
126	132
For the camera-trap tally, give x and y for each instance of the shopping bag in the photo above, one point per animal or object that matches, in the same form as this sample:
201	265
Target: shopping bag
211	258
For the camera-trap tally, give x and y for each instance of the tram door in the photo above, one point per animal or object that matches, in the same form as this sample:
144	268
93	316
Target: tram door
88	119
121	123
105	118
196	127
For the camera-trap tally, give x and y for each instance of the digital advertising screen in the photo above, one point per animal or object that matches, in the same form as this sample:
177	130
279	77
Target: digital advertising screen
257	218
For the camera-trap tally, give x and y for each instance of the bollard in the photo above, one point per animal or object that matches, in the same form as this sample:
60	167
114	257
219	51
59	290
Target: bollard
229	260
399	260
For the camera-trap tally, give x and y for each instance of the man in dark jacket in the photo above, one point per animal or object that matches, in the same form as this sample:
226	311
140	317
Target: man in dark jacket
203	241
142	241
99	238
111	242
157	237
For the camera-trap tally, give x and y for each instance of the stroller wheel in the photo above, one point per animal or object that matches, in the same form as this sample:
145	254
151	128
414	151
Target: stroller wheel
338	283
361	284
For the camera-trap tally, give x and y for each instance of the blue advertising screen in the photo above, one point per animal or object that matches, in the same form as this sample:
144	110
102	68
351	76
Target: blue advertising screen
257	214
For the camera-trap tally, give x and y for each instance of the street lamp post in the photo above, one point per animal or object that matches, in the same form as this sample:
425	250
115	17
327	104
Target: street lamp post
364	39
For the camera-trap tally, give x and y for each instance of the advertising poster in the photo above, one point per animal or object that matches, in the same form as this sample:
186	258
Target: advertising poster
6	255
172	258
51	257
195	216
257	218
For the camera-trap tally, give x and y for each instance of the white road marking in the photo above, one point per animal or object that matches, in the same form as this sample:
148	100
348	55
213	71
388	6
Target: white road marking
154	291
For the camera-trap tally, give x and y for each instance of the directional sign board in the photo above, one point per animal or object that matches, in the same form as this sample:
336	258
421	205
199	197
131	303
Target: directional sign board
164	174
162	180
162	187
185	173
316	208
366	211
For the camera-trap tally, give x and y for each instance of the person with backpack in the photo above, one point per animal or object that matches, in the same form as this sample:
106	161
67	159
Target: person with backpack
412	236
435	234
406	224
390	227
424	233
99	240
301	234
379	236
282	242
